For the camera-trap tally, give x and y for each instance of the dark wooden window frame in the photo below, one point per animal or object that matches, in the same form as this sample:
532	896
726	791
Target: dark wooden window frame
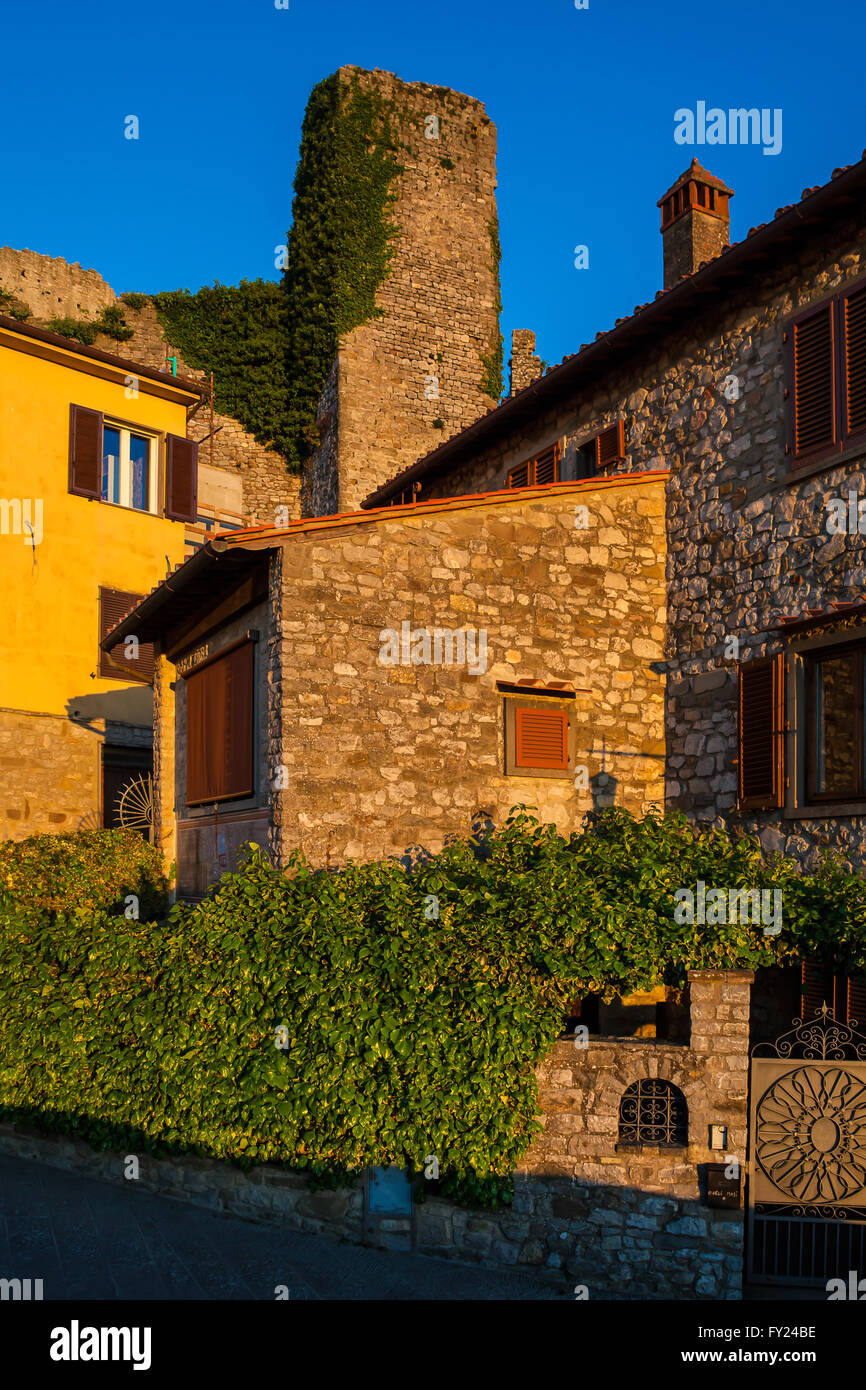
843	444
799	652
812	659
511	702
828	982
134	427
592	446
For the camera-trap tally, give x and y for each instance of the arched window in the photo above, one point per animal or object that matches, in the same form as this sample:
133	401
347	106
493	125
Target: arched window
653	1112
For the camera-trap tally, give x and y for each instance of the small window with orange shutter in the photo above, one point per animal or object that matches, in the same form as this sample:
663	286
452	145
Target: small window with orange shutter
539	736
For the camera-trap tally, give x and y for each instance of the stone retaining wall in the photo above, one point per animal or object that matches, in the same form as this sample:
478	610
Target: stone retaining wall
614	1223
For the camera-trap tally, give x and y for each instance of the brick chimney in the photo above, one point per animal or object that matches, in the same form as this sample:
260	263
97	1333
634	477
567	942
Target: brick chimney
525	366
696	222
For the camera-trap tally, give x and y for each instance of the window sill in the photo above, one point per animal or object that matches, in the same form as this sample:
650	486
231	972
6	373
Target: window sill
651	1148
822	810
119	507
789	474
545	774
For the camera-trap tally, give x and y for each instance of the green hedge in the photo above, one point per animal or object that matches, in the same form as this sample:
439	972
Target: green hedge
88	870
409	1033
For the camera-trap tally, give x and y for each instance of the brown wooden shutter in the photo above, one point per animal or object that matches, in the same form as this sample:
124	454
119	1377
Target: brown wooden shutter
855	1003
114	604
761	725
547	466
541	737
181	478
853	321
519	476
610	445
812	367
817	987
85	452
219	727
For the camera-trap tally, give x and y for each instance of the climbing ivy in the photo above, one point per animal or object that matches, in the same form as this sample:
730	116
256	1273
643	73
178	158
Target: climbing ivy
238	332
339	247
492	361
374	1015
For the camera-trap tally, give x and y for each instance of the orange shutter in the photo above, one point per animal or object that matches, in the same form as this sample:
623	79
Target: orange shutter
519	476
761	724
610	445
547	466
855	1003
541	737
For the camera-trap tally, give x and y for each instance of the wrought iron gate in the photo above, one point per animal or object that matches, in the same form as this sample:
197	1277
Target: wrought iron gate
807	1169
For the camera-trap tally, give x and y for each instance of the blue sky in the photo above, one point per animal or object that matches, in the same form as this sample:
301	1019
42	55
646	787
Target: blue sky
584	102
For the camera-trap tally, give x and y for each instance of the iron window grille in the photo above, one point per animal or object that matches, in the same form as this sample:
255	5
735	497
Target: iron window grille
653	1112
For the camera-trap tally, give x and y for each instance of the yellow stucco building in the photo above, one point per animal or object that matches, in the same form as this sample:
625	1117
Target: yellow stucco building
98	481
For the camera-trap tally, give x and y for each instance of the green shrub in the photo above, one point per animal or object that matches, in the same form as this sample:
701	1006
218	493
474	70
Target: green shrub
416	1005
79	329
14	307
88	870
110	322
135	300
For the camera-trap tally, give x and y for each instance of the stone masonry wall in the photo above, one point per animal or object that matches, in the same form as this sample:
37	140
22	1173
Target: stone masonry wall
606	1222
413	376
51	770
524	364
381	758
745	544
626	1221
49	775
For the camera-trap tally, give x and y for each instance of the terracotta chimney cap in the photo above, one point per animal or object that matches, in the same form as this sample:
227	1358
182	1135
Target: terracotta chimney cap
700	175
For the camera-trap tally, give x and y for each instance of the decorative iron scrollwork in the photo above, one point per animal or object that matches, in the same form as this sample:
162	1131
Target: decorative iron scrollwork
810	1135
821	1211
822	1039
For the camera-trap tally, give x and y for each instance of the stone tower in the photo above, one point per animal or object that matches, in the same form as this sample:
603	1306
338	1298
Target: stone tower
429	361
696	222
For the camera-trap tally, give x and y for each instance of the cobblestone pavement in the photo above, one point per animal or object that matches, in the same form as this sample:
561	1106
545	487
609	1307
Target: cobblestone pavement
91	1240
